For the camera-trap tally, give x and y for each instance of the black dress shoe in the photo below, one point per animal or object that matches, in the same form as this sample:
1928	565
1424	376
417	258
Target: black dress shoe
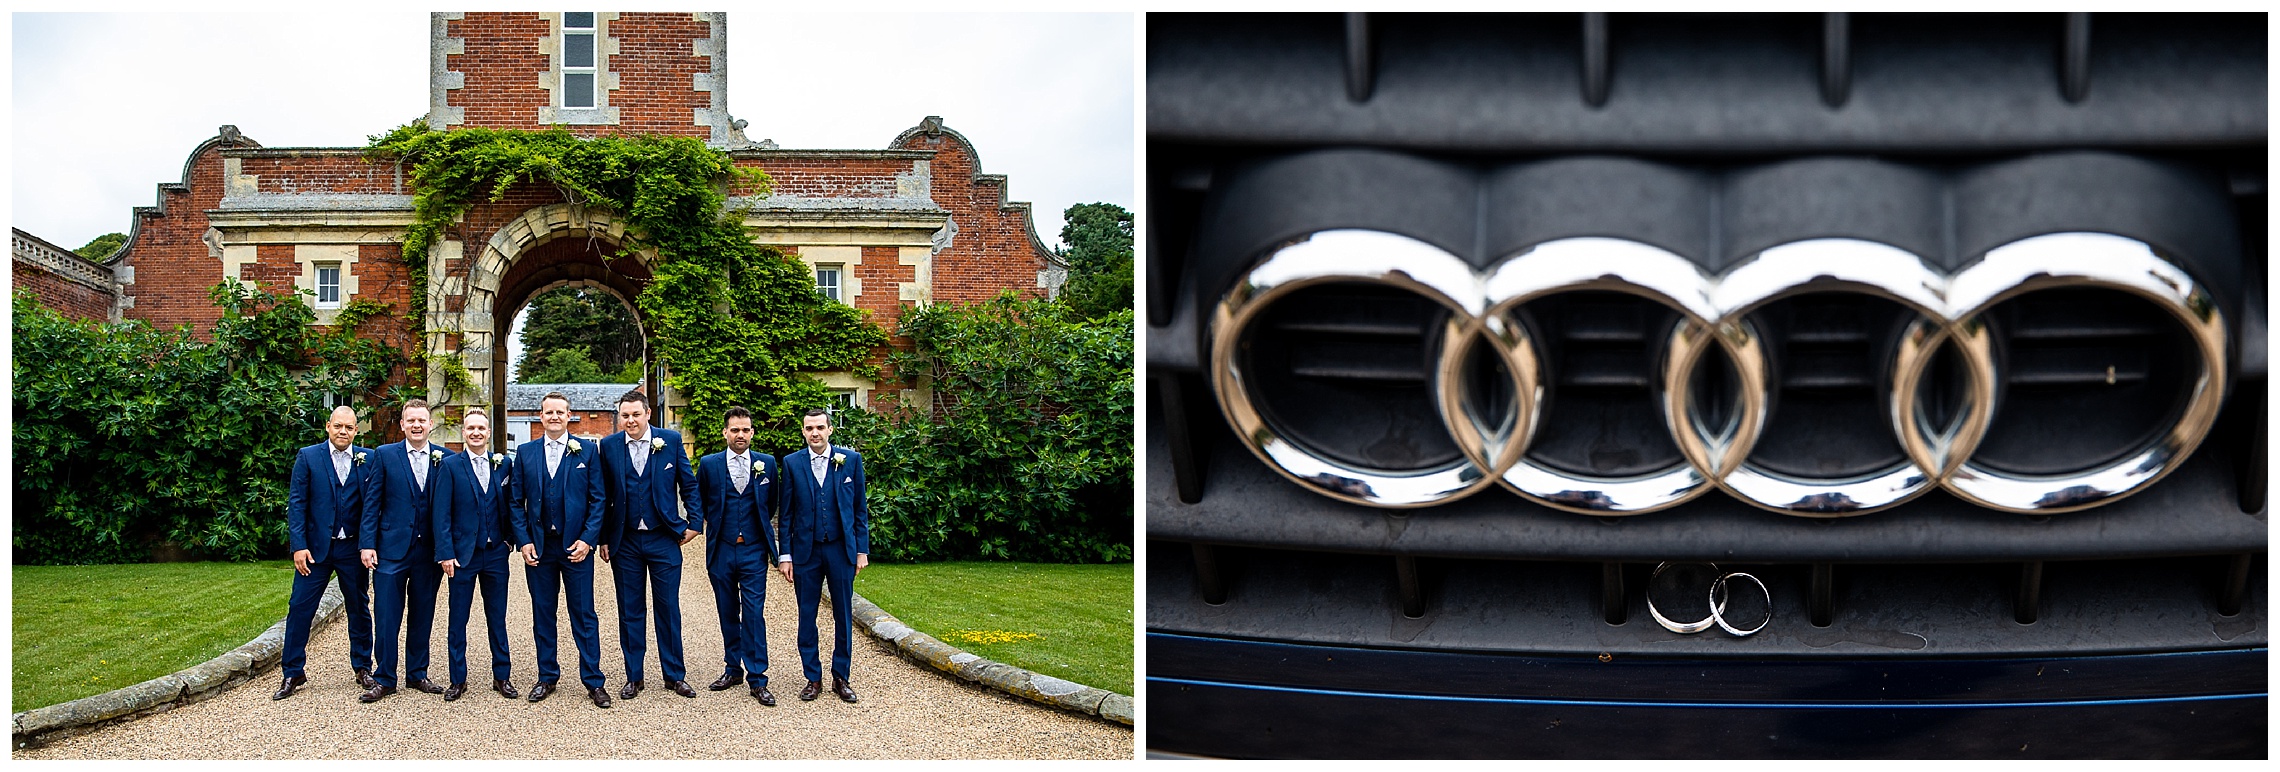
839	687
728	679
454	692
814	689
632	689
541	690
364	678
681	688
285	688
378	691
424	685
765	697
505	689
601	696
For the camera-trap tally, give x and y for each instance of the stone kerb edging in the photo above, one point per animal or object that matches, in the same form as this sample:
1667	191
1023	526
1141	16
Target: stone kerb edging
928	650
192	684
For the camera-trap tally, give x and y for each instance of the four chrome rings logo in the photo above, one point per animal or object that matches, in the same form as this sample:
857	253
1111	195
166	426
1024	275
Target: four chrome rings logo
1714	311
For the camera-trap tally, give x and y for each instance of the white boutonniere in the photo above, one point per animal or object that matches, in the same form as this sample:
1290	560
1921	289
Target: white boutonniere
360	458
574	446
838	460
656	444
498	458
435	455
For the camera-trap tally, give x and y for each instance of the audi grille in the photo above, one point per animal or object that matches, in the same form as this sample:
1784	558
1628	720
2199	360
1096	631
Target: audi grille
1634	385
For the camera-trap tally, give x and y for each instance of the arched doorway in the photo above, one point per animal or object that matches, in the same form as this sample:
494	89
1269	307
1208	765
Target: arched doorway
545	248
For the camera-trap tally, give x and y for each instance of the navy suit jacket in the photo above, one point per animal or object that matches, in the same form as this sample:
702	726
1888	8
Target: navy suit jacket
394	505
844	482
713	487
461	506
672	485
581	475
312	514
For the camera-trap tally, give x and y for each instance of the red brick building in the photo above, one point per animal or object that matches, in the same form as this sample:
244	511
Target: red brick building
914	223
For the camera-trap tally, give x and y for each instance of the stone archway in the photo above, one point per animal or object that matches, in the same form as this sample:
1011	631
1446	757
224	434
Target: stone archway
544	248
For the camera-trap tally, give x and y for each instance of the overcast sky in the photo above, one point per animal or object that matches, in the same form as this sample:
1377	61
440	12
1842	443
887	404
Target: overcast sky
105	107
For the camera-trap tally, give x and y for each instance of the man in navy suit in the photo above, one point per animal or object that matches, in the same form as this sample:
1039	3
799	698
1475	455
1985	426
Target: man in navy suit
826	537
738	489
471	534
322	520
399	512
556	509
652	496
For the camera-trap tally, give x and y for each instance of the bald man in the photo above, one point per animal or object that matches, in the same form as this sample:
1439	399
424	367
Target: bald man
322	516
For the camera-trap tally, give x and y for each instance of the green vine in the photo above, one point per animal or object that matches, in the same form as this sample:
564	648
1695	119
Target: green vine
736	323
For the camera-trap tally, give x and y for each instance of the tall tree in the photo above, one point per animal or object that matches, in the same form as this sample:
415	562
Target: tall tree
571	365
1099	253
102	246
588	320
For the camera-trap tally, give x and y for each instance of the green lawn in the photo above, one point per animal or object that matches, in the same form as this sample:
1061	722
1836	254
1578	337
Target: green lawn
85	630
1066	621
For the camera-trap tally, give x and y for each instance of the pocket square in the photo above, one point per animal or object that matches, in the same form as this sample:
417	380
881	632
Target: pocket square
848	480
580	466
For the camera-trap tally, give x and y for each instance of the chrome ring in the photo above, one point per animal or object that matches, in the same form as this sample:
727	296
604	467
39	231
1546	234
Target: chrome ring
1639	270
1875	270
2111	262
1386	259
1715	312
1718	604
1682	628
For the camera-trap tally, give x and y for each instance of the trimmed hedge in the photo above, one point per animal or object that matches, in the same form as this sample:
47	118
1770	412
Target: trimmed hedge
125	436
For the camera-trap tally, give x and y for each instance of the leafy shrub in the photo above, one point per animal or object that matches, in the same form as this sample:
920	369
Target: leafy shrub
1026	453
125	435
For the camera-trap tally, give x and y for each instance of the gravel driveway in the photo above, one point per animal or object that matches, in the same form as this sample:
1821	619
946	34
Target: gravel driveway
906	712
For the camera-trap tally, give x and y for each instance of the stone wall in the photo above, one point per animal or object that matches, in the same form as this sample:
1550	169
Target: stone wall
62	280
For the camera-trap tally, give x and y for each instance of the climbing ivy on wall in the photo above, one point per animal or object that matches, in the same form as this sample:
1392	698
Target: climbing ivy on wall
736	323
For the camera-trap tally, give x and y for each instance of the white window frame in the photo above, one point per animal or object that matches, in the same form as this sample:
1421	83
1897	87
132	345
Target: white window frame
593	68
840	278
843	399
338	272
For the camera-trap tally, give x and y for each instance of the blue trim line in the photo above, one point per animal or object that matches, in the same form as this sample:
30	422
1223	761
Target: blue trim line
1741	705
2052	657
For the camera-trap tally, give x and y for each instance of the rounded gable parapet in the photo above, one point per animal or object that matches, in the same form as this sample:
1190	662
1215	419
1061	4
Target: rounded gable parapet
934	129
225	138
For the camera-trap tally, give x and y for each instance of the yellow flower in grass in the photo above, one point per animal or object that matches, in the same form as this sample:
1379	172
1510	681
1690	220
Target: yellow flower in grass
992	636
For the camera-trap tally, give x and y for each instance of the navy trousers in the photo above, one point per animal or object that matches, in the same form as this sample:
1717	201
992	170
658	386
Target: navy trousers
552	581
490	567
739	578
347	566
825	563
403	589
651	557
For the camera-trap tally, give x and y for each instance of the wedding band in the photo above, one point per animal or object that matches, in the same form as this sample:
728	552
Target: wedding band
1682	628
1719	595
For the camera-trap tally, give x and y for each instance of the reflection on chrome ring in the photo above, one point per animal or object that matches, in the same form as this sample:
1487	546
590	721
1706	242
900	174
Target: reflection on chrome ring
1714	315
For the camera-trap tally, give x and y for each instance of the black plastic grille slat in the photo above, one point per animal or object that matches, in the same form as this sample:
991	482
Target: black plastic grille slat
1362	360
1343	369
1603	370
1601	351
1353	328
2090	375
